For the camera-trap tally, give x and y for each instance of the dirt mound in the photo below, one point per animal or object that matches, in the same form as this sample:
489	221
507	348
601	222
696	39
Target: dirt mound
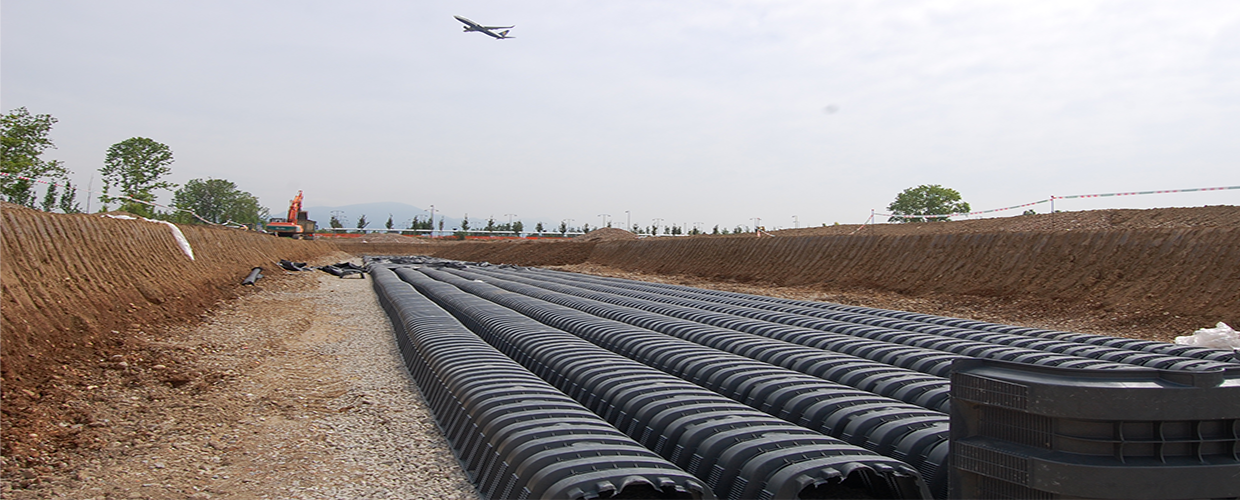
74	288
549	252
606	234
1091	220
383	244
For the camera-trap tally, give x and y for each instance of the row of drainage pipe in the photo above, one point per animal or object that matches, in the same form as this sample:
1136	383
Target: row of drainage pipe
735	450
1032	347
1016	335
731	395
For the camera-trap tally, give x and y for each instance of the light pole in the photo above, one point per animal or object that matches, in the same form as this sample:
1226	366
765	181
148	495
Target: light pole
656	221
432	221
756	221
510	216
795	223
605	216
568	223
628	221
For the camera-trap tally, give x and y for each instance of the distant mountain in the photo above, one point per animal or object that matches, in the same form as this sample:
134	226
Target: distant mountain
377	215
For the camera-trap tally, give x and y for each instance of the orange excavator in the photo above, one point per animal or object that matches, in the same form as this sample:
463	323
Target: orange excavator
296	225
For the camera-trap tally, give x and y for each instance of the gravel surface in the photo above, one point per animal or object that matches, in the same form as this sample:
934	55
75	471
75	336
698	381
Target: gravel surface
296	391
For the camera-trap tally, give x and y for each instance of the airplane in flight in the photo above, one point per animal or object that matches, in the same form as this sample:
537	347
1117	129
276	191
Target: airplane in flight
472	26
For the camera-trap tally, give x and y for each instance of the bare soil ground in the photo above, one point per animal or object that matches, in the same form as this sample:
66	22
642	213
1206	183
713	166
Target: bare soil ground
270	395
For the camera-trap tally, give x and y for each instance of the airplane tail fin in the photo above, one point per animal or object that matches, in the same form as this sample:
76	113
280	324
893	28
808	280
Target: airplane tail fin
504	34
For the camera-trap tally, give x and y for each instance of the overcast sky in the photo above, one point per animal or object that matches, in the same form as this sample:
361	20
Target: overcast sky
690	111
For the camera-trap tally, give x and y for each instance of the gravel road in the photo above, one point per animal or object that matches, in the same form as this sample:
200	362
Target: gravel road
294	391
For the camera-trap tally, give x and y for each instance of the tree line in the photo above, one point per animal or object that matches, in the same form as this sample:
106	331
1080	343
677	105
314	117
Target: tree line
132	171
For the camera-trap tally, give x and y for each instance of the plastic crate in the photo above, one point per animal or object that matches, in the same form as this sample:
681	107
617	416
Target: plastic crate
1025	431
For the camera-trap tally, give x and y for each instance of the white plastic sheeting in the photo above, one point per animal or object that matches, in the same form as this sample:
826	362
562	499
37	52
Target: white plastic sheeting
176	233
1219	337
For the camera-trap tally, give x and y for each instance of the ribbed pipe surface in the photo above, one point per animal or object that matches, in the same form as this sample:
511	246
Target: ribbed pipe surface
516	435
738	451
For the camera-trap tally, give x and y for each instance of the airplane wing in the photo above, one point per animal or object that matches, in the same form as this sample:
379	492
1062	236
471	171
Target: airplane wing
498	27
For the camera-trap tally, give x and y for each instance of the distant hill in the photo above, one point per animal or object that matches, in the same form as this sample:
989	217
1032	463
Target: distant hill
377	215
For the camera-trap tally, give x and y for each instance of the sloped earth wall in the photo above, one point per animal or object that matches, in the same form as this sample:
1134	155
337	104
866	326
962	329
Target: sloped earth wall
71	286
1192	273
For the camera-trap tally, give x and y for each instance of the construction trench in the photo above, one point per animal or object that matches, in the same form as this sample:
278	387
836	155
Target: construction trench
551	384
687	392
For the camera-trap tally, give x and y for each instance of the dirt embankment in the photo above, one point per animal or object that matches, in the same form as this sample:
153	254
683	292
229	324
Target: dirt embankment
74	289
1164	268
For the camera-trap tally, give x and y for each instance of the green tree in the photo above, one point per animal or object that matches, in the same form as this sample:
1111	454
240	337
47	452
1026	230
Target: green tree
23	138
218	201
388	224
518	227
49	199
68	200
564	227
490	225
335	222
362	222
538	228
926	200
134	167
465	223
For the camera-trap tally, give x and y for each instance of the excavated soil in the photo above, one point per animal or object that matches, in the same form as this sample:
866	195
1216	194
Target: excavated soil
79	296
1150	273
605	234
117	348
